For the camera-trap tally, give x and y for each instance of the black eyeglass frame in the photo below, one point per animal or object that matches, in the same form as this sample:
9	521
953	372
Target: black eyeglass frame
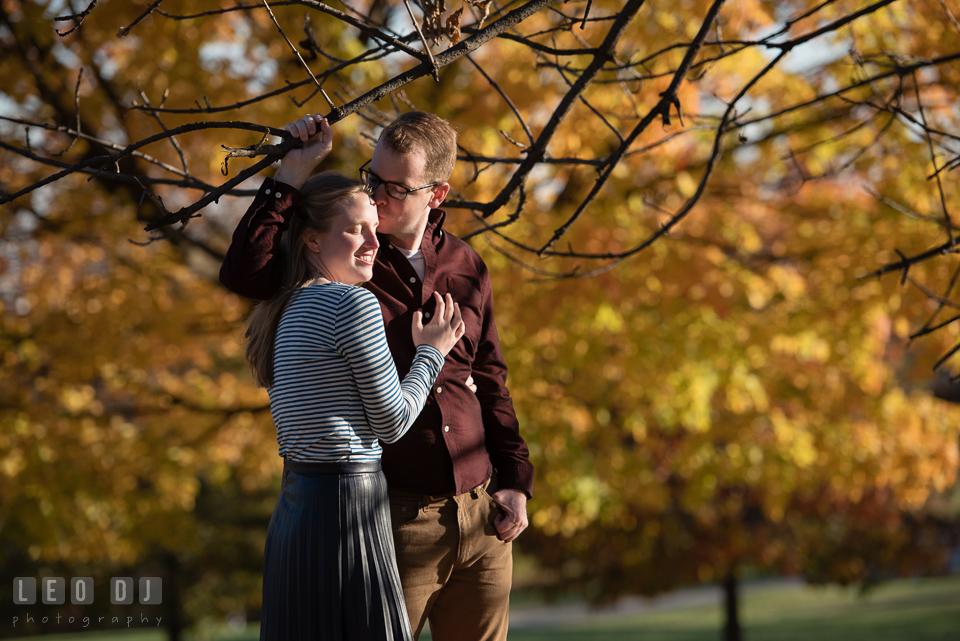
366	175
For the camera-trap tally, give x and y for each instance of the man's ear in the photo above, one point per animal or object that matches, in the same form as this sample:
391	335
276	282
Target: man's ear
439	193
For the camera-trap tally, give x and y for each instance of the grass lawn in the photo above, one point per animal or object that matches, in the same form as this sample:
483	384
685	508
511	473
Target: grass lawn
906	610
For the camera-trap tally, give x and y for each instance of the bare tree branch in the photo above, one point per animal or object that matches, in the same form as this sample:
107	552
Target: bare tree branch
668	99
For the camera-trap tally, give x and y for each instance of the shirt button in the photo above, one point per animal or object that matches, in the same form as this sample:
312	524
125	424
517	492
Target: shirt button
277	194
266	191
413	279
446	428
439	389
426	314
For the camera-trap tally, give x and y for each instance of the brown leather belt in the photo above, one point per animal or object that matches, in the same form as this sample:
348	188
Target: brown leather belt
431	498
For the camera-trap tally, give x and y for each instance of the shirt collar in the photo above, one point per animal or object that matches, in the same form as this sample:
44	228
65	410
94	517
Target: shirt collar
434	228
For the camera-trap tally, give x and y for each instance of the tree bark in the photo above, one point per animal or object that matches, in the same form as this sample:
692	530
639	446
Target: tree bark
731	628
171	596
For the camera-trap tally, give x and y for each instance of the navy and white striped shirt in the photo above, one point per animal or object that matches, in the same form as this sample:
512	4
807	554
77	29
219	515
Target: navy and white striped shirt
335	387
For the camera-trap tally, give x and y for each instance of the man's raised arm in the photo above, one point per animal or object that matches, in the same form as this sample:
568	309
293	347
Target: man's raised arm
250	267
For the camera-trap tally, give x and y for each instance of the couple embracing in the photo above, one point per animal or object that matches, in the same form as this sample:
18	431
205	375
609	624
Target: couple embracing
370	541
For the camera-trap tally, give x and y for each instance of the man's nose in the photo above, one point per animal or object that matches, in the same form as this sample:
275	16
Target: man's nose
380	194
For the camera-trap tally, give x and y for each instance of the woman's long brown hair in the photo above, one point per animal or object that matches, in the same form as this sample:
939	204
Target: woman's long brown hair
322	196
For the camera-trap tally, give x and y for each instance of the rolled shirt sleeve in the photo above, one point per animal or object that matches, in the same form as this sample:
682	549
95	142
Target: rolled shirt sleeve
251	267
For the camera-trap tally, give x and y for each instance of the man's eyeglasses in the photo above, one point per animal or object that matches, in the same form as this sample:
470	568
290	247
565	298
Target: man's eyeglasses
395	191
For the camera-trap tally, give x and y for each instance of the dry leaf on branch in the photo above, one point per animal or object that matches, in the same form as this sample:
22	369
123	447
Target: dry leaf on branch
453	26
432	26
484	7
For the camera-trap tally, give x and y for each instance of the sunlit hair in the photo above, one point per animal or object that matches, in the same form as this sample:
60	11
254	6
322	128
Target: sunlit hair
417	131
323	196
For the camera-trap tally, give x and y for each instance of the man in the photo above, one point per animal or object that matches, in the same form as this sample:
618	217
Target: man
460	479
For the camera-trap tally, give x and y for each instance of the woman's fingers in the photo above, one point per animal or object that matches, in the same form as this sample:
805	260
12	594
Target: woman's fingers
456	318
447	316
440	313
449	309
458	321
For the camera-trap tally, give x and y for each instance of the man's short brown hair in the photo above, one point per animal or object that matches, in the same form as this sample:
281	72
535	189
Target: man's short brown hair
416	131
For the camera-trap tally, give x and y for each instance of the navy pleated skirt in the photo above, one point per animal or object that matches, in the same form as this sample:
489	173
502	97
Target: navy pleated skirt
330	571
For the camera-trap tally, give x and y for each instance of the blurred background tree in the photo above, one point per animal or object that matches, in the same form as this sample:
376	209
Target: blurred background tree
678	203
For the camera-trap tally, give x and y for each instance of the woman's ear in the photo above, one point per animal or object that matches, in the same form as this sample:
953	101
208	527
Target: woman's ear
311	240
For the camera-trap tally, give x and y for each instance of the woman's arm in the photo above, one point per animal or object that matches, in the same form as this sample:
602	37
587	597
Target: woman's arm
390	406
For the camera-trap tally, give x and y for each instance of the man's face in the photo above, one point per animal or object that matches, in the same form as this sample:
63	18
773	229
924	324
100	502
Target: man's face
407	218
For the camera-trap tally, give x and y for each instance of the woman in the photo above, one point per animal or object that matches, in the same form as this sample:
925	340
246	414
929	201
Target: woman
320	349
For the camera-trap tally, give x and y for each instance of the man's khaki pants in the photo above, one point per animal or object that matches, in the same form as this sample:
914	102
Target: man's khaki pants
453	568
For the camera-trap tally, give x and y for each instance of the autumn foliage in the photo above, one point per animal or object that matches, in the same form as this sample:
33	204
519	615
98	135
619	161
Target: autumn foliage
677	202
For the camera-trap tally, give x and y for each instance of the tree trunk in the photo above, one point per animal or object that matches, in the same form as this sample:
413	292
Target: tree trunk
171	596
731	629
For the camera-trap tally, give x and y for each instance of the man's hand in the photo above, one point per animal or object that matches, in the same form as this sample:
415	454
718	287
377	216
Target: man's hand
512	519
298	164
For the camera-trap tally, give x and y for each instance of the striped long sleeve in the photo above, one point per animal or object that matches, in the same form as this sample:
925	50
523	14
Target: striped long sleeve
336	390
391	407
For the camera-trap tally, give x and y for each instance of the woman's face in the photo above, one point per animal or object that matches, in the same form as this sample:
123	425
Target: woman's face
345	253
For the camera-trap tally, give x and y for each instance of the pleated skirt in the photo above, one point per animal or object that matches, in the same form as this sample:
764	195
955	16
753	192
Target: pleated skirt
330	570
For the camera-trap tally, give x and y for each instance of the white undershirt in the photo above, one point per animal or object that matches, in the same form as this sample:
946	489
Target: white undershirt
415	256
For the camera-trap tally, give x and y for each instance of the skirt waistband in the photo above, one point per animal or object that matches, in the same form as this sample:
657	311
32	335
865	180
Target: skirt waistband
345	467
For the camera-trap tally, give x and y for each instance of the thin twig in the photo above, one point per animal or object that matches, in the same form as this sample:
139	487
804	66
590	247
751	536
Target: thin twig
538	149
173	139
76	107
662	109
125	30
940	305
294	49
948	224
78	19
365	28
506	98
586	12
426	45
134	147
953	19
